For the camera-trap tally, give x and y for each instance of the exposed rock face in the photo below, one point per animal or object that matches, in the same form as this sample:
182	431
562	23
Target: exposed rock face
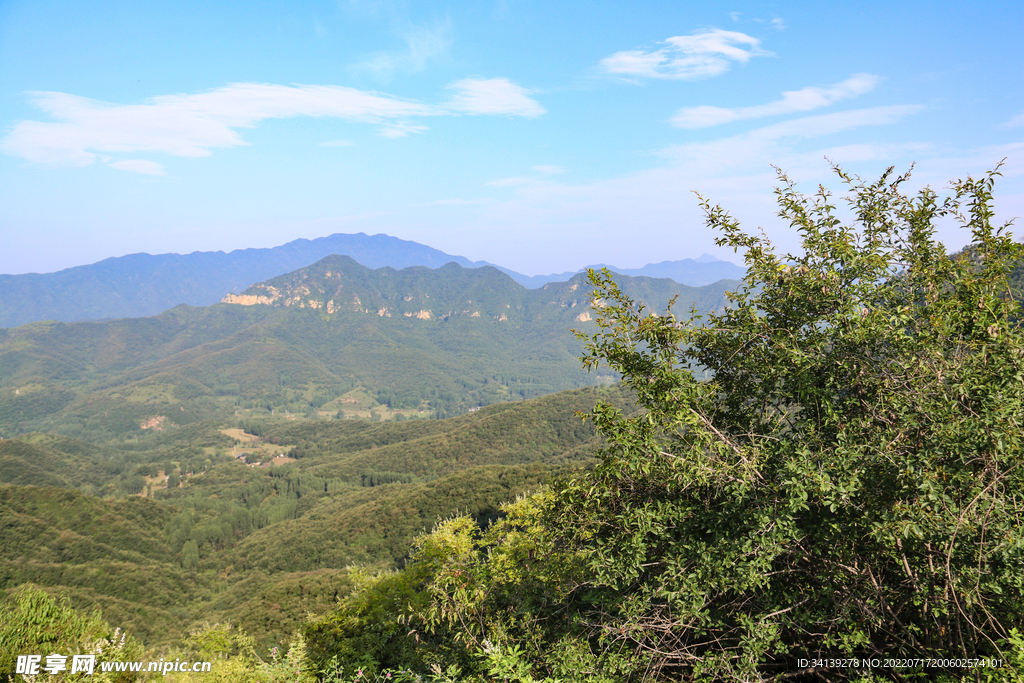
247	299
155	423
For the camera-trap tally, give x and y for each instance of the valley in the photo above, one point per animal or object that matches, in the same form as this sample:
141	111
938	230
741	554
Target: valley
351	492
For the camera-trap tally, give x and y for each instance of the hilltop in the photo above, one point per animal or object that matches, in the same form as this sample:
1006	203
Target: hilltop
140	285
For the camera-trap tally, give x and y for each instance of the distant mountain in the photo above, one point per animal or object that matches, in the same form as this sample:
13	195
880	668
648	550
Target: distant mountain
140	285
339	284
326	338
697	272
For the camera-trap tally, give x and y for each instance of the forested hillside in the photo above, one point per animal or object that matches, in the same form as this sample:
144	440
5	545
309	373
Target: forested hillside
221	539
419	343
139	285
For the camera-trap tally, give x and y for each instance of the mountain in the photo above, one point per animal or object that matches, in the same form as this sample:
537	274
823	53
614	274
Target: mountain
697	272
334	338
140	285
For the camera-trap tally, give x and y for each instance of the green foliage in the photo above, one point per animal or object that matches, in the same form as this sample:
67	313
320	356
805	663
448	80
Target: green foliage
261	545
847	484
34	623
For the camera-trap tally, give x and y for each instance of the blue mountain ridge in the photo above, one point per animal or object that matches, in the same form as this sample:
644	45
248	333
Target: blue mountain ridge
140	285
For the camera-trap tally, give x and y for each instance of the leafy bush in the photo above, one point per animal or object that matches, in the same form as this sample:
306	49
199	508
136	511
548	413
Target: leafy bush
34	623
846	484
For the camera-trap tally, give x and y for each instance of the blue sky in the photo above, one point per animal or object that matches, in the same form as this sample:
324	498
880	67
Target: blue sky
539	136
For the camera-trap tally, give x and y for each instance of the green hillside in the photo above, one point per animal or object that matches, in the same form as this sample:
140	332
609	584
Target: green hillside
331	340
266	544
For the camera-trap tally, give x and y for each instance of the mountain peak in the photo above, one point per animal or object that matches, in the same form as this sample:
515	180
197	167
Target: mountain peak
338	284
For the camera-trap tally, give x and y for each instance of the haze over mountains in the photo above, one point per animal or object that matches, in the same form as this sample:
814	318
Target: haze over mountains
330	337
140	285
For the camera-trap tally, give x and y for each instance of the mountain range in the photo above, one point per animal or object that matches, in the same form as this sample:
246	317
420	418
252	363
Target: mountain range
140	285
331	338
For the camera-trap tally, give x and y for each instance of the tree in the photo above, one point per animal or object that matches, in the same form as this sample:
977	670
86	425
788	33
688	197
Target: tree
849	482
830	468
190	555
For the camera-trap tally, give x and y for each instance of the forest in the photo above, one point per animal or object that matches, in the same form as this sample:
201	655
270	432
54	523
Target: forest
818	481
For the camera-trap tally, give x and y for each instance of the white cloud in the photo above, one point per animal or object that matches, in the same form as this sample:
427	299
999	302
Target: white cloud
698	55
422	44
139	166
826	124
546	226
1016	121
492	96
778	24
792	101
192	125
773	144
400	129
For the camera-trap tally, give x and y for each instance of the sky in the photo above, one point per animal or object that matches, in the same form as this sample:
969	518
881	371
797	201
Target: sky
539	136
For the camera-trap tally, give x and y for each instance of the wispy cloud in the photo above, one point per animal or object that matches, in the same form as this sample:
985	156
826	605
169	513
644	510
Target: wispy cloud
792	101
510	182
656	208
193	125
1015	122
825	124
139	166
492	96
778	24
698	55
400	129
422	44
772	144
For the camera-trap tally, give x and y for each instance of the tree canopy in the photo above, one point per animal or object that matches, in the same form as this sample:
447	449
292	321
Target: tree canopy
829	468
849	482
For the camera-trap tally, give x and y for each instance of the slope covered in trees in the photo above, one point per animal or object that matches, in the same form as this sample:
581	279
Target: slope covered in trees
139	285
826	471
231	541
408	346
